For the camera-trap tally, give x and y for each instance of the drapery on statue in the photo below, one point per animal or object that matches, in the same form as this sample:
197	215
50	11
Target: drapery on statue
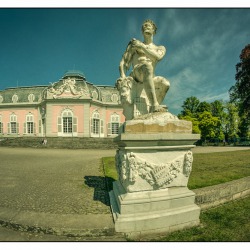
142	92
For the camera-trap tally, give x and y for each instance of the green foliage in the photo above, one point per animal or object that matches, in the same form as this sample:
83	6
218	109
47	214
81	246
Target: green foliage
240	92
219	119
195	123
208	124
204	106
232	120
217	109
200	114
190	106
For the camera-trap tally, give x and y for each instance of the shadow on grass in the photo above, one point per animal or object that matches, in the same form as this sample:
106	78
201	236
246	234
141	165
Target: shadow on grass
101	186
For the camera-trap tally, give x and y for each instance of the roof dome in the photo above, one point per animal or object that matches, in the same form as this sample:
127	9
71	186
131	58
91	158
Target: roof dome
74	73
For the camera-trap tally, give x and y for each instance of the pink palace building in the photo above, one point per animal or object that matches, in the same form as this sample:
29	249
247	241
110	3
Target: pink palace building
70	107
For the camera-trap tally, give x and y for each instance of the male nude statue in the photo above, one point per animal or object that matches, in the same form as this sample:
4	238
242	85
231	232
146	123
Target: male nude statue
144	56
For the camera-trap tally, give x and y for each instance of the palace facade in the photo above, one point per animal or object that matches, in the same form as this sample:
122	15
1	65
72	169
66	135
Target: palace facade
70	107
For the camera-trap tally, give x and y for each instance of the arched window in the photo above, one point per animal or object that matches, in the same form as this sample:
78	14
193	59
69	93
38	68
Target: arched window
67	123
13	126
1	125
15	98
114	124
31	97
96	125
29	125
67	119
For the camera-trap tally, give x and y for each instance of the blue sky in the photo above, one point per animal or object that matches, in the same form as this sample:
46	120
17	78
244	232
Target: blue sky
38	45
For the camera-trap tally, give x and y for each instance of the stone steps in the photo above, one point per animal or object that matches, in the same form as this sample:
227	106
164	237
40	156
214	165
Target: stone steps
60	142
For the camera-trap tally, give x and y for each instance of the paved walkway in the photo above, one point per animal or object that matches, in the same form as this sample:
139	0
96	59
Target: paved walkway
218	149
56	191
60	191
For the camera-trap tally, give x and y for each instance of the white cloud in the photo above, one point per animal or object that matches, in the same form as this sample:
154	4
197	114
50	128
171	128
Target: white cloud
211	97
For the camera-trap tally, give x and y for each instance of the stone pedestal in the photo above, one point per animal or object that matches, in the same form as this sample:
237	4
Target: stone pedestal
149	212
151	195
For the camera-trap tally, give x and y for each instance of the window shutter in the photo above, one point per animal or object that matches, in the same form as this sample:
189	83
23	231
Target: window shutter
102	131
17	128
59	124
91	125
8	128
24	128
74	124
34	128
109	128
120	128
1	127
40	126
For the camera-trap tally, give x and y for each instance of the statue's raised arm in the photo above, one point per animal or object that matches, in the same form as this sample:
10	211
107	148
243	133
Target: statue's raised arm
142	92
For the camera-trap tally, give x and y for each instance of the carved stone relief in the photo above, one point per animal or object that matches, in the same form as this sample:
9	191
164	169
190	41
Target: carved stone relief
69	88
132	168
94	95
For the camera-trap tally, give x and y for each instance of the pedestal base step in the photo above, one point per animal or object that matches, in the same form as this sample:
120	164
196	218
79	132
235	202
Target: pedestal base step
159	211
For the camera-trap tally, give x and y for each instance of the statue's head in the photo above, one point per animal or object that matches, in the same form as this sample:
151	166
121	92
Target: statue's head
151	22
124	87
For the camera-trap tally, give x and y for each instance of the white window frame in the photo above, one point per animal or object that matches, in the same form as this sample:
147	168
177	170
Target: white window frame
97	125
67	124
29	127
13	126
114	125
1	125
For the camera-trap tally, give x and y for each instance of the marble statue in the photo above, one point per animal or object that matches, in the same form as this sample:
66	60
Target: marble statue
142	92
154	157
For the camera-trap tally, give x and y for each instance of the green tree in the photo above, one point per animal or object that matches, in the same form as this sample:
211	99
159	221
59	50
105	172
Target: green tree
195	123
203	106
240	92
232	120
190	106
208	125
218	109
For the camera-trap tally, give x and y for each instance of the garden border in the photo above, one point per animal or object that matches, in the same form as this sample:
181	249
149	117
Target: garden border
215	195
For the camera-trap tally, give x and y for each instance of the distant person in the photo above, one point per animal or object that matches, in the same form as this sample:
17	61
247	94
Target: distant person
45	141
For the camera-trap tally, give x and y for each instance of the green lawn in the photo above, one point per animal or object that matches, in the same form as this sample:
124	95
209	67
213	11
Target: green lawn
215	168
228	222
208	169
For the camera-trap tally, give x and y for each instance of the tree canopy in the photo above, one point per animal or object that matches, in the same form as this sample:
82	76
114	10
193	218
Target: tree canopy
240	92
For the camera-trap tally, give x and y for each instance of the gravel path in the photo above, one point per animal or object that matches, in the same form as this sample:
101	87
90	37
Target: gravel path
57	181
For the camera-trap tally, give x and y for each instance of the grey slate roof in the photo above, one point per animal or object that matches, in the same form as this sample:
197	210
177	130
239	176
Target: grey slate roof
107	94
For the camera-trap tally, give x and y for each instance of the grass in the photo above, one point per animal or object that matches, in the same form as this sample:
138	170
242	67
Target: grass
228	222
109	171
208	169
215	168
